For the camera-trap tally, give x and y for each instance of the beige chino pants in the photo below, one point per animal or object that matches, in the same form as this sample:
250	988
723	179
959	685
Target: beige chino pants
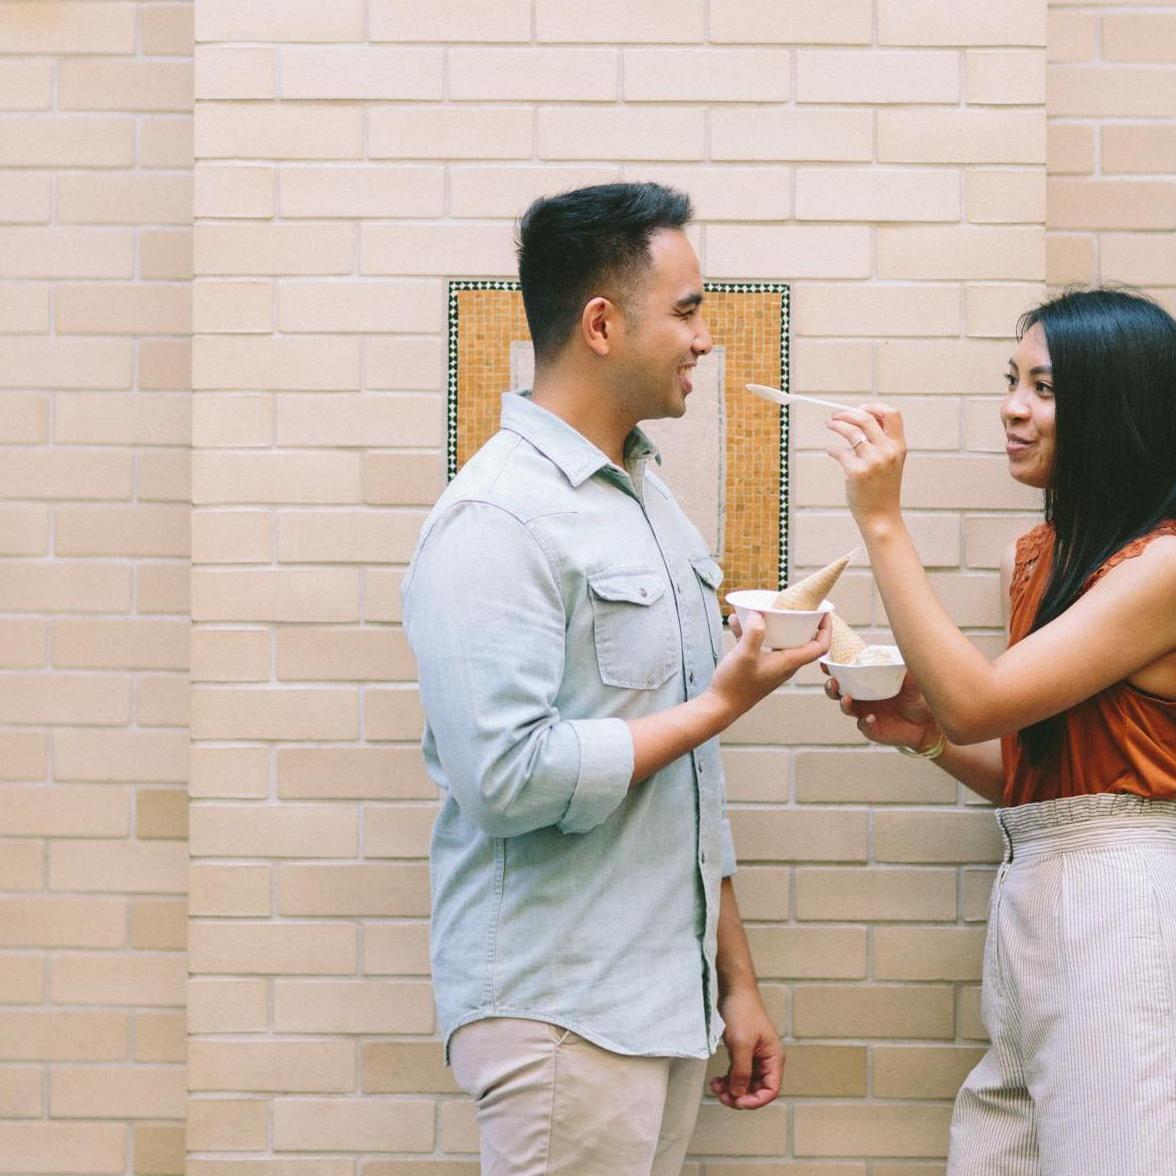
1079	997
548	1102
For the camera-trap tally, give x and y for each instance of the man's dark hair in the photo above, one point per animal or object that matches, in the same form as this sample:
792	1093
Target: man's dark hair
582	244
1113	355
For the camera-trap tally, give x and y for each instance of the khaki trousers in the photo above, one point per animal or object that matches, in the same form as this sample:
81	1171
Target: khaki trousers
1079	997
550	1102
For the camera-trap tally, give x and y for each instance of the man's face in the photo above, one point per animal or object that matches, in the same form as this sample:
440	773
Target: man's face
664	334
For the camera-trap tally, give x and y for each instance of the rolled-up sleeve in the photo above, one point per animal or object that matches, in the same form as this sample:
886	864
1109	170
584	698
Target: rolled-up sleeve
486	622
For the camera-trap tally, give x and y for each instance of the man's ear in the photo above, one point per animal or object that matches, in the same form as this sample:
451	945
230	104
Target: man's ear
600	323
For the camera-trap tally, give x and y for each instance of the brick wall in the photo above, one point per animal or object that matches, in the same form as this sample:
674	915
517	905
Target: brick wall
1112	145
95	239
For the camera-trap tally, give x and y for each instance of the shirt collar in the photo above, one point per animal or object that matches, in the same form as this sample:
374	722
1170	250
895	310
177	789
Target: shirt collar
570	450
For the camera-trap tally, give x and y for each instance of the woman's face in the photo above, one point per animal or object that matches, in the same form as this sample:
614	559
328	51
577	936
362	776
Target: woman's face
1027	411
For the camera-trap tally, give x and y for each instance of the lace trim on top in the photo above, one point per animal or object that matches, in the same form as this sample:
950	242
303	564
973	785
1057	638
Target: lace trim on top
1029	549
1132	549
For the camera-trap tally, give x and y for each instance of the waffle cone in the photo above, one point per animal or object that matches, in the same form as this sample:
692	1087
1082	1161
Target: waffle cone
845	644
809	592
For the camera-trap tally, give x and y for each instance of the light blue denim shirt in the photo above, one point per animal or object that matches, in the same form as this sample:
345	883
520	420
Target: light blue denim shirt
552	596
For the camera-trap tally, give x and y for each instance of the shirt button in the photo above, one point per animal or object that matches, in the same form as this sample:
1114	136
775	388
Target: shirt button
690	676
642	592
701	767
702	857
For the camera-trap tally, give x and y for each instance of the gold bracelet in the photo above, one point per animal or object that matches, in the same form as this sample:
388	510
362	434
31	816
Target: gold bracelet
933	752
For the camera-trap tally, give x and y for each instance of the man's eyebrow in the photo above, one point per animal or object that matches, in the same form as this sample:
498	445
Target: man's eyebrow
693	299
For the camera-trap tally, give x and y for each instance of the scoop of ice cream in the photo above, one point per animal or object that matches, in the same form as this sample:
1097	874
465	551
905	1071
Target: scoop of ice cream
876	655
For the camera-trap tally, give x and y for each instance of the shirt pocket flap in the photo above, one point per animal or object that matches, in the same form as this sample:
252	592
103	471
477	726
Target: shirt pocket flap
707	570
630	585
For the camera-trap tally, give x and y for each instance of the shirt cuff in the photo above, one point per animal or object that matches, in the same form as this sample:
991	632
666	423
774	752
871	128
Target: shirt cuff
729	863
606	768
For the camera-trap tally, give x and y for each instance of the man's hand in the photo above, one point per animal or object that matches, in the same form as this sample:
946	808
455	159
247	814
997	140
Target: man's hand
756	1055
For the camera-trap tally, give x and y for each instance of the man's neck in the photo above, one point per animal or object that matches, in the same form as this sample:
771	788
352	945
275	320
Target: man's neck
587	408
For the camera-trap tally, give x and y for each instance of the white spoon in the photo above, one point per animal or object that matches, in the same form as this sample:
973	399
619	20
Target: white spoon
778	397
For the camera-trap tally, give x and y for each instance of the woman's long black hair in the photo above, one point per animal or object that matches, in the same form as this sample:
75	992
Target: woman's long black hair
1113	354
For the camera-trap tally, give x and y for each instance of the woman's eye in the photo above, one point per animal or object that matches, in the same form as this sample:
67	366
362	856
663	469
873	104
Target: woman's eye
1010	381
1044	390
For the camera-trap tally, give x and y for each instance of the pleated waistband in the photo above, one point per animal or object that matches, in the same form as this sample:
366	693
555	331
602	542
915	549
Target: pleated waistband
1101	820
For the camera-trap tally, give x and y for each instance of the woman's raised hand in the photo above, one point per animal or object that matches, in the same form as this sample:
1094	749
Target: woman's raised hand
872	459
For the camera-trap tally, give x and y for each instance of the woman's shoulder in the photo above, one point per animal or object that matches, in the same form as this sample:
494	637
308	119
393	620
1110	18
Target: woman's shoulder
1155	551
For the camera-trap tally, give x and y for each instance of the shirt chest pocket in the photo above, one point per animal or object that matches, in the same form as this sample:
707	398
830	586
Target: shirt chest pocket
710	576
635	627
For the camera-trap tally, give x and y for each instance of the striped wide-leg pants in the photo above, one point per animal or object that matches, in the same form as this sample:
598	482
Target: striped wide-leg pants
1079	995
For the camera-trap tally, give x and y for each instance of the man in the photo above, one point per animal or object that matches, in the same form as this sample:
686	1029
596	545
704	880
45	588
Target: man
587	949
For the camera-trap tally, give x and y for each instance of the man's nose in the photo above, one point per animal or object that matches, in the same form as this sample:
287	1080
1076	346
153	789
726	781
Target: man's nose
703	343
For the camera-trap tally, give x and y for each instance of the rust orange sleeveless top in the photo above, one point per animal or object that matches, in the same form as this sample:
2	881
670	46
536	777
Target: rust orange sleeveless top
1121	739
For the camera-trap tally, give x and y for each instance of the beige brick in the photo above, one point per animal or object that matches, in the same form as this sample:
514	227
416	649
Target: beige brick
925	22
459	1129
720	1133
162	588
1111	204
166	141
62	1036
975	890
1005	77
450	132
165	365
353	1125
755	133
24	309
313	773
936	837
406	364
26	85
400	949
274	595
253	250
68	363
115	309
228	190
291	830
1005	197
99	979
639	20
398	831
930	367
352	1006
403	479
928	953
161	1037
885	895
166	29
756	773
133	418
62	812
876	309
23	644
961	136
359	421
790	719
237	891
491	20
224	421
159	925
230	655
236	1124
122	644
790	1168
281	948
1139	36
969	1024
978	253
63	698
988	537
162	813
1110	91
226	362
329	72
802	251
311	477
166	256
345	537
66	141
367	889
382	603
906	1071
164	701
1125	148
841	22
23	755
821	538
342	655
1071	35
238	307
799	836
875	1011
64	586
404	1067
983	431
250	1066
809	953
231	536
62	1147
869	777
125	85
763	892
226	1006
993	310
236	72
863	77
155	868
578	132
390	190
820	366
713	75
159	1149
165	476
286	1167
392	714
723	192
279	20
20	1093
26	198
238	773
437	249
361	306
824	1129
877	194
1141	259
66	253
21	869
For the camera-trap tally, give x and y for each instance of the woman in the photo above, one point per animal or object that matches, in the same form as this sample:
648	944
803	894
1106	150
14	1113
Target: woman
1072	729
